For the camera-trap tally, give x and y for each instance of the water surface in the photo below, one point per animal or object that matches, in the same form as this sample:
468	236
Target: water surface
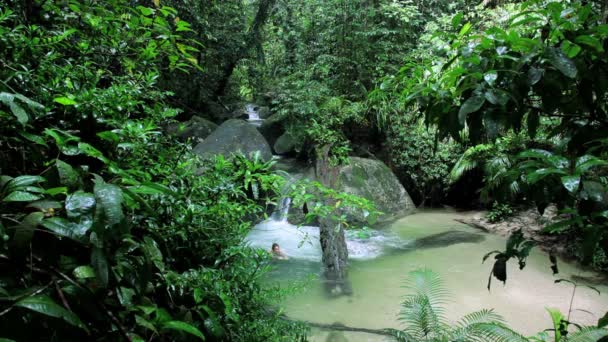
377	282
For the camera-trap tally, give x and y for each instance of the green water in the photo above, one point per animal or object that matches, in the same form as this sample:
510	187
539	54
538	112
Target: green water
377	284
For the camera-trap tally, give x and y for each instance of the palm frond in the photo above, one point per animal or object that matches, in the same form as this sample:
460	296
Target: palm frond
587	334
423	312
492	332
462	166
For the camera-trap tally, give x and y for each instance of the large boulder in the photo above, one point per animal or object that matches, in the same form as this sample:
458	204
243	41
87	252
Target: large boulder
234	136
196	129
285	144
373	180
367	178
272	128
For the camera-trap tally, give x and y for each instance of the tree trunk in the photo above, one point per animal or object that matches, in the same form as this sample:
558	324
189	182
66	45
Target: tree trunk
333	241
252	39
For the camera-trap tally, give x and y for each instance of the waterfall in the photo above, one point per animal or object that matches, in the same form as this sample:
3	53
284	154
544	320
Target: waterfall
253	115
282	210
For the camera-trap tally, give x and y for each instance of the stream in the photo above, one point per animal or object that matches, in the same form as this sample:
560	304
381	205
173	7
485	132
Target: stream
379	266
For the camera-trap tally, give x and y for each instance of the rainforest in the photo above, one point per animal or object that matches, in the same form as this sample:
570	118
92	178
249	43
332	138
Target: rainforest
304	170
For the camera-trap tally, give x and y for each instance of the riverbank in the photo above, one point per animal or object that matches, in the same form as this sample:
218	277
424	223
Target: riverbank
531	224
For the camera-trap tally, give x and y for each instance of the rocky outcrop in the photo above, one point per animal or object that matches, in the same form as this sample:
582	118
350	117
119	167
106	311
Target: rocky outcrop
285	144
368	178
234	136
373	180
272	129
196	129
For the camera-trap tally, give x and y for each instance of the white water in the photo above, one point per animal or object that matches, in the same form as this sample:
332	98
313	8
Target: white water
253	115
302	242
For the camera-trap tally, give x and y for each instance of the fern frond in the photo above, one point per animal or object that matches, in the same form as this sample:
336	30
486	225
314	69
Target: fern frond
493	332
423	311
587	334
462	166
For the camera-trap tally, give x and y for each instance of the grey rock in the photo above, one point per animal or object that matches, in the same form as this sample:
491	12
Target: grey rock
196	129
234	136
285	144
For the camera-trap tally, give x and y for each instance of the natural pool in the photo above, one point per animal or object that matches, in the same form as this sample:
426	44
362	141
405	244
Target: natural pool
377	282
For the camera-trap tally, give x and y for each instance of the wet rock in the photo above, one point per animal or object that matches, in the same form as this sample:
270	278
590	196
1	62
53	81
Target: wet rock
448	238
196	129
272	128
285	144
264	112
234	136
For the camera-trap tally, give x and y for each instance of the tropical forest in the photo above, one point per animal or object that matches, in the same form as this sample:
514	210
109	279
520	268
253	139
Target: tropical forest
304	170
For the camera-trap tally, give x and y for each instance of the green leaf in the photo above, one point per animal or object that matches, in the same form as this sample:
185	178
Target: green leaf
457	19
561	62
570	49
471	105
571	183
46	306
25	230
67	175
100	264
20	196
79	203
63	227
185	327
84	272
465	29
153	253
18	183
19	113
491	77
590	41
45	205
36	139
602	322
65	101
534	75
109	202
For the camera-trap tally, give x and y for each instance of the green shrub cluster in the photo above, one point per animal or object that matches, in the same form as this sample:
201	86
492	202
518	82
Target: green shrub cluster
110	229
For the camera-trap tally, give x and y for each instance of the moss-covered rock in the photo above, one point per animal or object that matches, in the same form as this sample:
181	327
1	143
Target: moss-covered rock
284	144
367	178
272	128
231	137
373	180
196	129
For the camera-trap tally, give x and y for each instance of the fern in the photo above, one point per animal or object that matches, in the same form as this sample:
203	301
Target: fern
587	334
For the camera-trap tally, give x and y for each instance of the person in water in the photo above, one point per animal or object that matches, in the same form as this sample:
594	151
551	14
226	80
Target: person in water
277	253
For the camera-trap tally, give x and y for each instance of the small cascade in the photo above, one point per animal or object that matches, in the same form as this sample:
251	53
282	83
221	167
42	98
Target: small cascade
302	242
253	115
282	210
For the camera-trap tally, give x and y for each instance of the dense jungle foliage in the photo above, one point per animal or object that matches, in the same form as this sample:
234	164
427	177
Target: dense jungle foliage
112	229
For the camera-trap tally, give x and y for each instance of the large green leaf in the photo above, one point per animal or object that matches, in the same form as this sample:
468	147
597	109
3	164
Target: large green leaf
63	227
561	62
109	203
471	105
84	272
20	196
79	204
571	183
18	183
185	327
19	113
46	306
67	175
